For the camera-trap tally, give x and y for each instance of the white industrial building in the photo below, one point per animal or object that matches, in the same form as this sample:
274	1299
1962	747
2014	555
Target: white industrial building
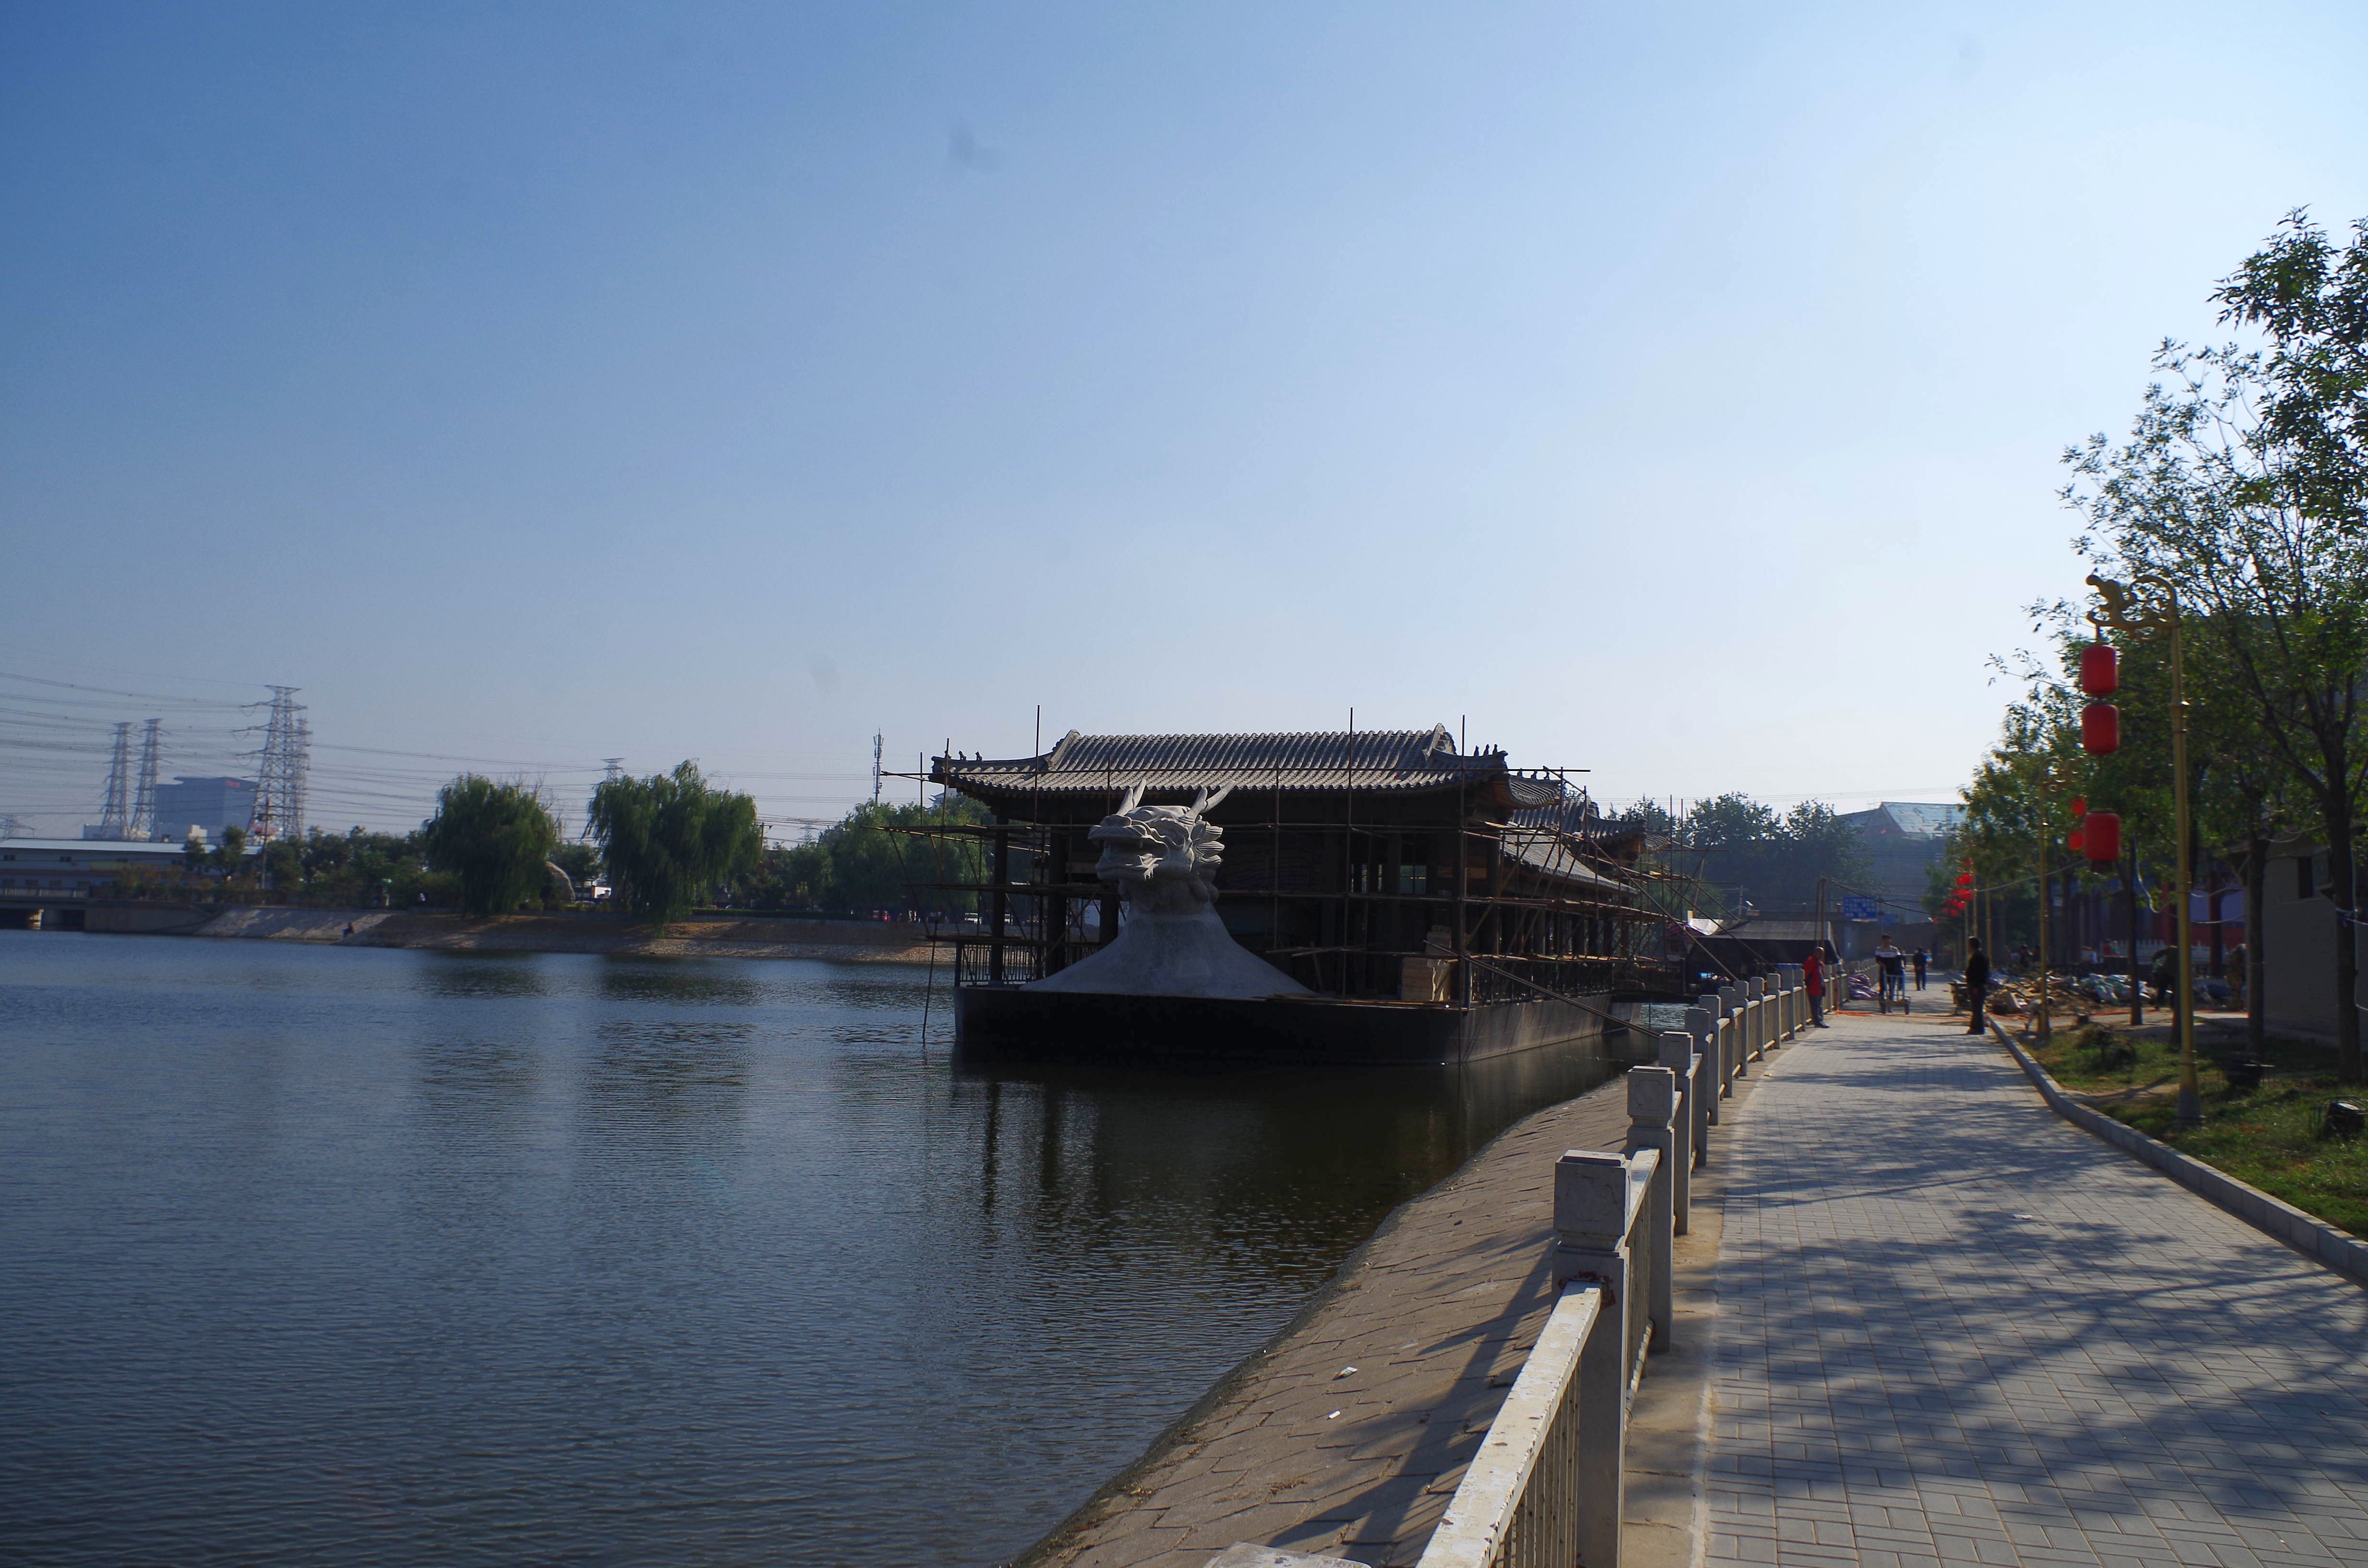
75	868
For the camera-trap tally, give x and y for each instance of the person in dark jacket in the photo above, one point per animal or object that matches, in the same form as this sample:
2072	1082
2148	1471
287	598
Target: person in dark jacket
1977	981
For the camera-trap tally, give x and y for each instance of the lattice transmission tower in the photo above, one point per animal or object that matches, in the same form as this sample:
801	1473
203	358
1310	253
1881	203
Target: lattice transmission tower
115	816
281	768
144	796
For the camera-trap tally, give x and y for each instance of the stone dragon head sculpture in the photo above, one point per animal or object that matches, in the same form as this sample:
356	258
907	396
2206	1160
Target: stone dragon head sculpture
1163	859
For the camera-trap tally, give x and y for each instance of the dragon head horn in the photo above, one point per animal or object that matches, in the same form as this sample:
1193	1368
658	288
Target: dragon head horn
1206	801
1134	798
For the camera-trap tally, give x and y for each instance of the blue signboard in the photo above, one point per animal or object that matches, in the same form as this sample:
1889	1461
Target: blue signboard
1860	909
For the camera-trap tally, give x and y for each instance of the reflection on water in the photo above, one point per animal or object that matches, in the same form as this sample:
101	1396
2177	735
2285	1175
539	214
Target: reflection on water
682	982
357	1256
482	974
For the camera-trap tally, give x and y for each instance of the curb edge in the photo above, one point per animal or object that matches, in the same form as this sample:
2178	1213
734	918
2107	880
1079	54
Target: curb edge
2316	1239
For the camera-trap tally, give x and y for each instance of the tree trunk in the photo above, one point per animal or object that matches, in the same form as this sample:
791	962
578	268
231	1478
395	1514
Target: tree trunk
2219	948
2137	975
2344	875
2256	874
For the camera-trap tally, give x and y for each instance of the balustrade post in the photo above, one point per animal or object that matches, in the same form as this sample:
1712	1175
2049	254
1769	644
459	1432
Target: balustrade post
1677	1056
1714	1003
1655	1104
1705	1091
1730	999
1591	1247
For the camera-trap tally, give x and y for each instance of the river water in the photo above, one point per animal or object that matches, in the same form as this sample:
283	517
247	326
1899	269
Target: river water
326	1256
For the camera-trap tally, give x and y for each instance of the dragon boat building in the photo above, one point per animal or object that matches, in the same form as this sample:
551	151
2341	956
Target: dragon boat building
1415	904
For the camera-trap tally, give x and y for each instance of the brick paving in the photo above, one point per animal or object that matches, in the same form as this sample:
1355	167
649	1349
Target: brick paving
1435	1316
1954	1329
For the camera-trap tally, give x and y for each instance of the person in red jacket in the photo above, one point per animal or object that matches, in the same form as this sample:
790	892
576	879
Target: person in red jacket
1813	976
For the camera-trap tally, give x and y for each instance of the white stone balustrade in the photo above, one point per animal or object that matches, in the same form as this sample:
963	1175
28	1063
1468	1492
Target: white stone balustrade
1547	1487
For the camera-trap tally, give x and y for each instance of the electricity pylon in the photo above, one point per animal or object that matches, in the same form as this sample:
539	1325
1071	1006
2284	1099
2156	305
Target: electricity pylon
143	798
283	767
115	816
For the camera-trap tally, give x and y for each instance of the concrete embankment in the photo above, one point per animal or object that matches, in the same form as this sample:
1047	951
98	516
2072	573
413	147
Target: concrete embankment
846	940
1348	1436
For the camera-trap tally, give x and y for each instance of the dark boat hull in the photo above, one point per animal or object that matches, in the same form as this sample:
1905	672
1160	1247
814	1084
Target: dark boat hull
1018	1023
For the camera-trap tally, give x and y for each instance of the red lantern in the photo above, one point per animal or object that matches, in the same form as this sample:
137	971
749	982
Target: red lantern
2079	805
2101	669
2102	835
2101	729
1964	879
2074	839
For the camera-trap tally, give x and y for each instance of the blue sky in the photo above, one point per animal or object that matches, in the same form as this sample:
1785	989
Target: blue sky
1677	391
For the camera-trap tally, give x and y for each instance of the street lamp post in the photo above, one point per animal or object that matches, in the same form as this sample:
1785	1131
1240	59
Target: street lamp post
2047	832
2146	623
2051	784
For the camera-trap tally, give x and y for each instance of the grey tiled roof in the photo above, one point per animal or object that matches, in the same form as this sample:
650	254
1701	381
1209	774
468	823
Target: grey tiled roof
1910	819
1371	759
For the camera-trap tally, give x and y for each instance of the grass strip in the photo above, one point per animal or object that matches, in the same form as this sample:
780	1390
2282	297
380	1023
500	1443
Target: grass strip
2269	1137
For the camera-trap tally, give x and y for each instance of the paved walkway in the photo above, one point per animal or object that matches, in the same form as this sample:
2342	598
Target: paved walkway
1953	1328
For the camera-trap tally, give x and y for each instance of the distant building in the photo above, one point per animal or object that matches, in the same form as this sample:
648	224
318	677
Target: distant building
2299	931
75	867
208	805
1905	840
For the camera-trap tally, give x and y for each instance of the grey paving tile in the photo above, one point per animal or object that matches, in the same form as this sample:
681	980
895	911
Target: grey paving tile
2004	1335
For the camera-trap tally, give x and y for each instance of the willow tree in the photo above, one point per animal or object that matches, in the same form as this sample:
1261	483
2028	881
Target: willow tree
496	838
2240	488
672	840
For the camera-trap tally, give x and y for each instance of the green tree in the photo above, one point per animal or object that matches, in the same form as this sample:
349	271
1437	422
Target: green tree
230	856
2241	487
496	838
1730	821
1777	861
282	864
672	840
2310	388
883	857
581	861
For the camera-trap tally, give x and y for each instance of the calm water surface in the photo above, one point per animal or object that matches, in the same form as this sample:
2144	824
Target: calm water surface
353	1256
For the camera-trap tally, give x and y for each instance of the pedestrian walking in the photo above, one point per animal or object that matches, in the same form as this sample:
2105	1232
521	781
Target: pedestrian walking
2162	974
1891	975
1813	977
1923	962
1977	981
